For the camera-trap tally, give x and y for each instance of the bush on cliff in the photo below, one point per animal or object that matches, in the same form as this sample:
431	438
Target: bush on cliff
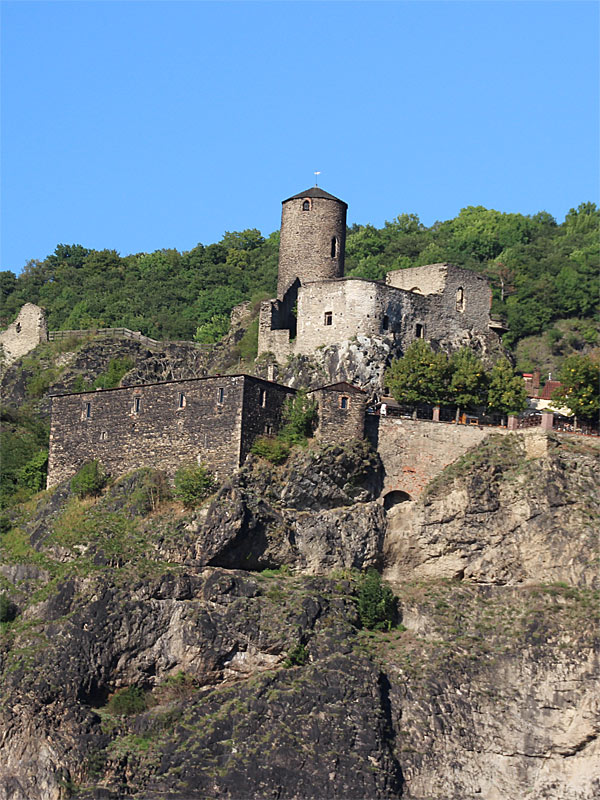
377	605
273	450
299	417
193	484
89	481
125	702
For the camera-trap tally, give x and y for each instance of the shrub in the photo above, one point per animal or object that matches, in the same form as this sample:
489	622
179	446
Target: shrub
193	484
89	481
273	450
377	605
125	702
300	417
32	475
117	367
297	657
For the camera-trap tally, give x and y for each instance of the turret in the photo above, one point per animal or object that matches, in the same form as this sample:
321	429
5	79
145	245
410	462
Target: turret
313	238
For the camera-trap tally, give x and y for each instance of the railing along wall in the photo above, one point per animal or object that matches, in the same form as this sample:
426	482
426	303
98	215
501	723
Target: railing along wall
122	333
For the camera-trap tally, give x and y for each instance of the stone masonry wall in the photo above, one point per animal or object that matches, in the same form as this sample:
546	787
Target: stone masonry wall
263	404
165	433
24	334
415	451
336	423
305	243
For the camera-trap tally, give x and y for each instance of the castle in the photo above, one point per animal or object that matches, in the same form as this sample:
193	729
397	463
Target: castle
216	419
316	306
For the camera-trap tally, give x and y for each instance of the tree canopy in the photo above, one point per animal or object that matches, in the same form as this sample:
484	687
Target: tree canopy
540	271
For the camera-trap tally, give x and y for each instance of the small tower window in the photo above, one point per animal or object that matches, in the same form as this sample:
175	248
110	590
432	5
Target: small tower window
87	411
344	403
18	327
328	320
419	331
460	299
268	430
103	436
220	395
385	323
181	400
263	398
137	405
306	205
334	247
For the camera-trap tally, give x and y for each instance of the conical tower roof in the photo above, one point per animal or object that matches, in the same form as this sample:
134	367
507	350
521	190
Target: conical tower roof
315	191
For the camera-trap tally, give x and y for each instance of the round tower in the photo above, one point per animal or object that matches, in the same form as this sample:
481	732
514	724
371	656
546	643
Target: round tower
313	238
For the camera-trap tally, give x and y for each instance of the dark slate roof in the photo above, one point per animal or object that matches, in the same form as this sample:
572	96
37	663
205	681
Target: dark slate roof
315	191
343	386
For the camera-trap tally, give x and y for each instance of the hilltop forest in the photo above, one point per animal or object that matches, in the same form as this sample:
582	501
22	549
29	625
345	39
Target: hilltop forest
541	271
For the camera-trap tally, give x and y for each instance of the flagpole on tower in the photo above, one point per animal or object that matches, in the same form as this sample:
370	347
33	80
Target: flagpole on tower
316	178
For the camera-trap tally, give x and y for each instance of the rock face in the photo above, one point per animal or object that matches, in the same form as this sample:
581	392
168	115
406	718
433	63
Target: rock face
143	662
497	516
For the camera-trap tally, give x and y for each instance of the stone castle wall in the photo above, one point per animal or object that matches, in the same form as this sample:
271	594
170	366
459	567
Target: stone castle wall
24	334
340	420
305	249
415	451
161	425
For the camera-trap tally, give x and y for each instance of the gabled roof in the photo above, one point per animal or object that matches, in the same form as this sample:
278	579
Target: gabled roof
315	191
549	387
342	386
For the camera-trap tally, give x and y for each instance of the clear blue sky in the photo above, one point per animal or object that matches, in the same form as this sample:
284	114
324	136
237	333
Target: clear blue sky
143	125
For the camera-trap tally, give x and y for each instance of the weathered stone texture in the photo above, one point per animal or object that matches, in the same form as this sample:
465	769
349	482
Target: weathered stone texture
341	413
305	249
160	425
25	333
415	451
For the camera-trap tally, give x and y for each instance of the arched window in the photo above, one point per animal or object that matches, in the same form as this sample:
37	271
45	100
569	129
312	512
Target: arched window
460	299
306	205
334	247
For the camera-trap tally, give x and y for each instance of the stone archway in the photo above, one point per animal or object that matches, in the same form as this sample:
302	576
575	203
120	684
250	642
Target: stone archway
394	498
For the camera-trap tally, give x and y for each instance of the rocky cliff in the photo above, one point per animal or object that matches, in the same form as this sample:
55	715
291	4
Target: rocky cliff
158	653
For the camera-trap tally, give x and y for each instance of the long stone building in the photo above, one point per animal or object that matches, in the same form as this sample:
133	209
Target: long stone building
317	306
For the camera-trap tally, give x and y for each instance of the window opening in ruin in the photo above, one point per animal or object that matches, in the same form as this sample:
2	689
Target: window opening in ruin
137	402
181	401
103	436
386	323
18	327
460	299
263	398
88	410
328	318
220	395
334	247
306	205
344	403
419	331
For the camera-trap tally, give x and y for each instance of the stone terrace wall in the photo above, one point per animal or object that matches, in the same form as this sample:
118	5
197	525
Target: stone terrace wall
24	334
415	451
160	434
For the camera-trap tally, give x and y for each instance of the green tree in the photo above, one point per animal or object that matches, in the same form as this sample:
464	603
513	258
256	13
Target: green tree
377	605
468	383
193	484
89	480
299	417
420	376
213	330
506	391
580	377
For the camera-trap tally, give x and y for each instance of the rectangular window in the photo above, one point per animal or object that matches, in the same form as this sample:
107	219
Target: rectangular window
137	404
103	436
181	400
220	395
268	430
344	403
87	411
328	318
263	398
